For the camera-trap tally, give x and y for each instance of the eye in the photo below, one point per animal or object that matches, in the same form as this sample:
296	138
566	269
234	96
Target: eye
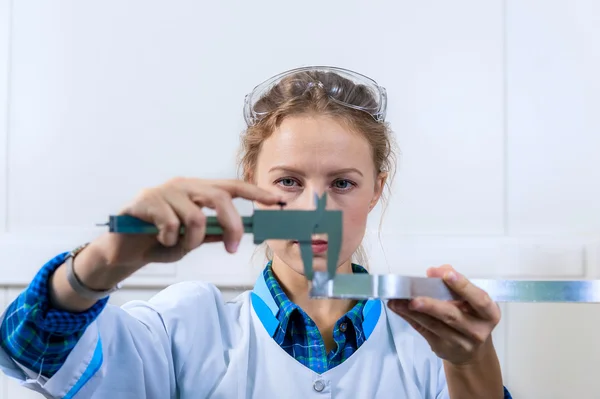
343	184
286	182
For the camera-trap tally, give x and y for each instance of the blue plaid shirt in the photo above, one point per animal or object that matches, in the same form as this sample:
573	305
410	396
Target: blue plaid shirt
38	336
41	338
299	336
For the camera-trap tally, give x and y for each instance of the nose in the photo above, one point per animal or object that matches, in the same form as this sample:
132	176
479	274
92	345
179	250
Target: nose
306	200
310	198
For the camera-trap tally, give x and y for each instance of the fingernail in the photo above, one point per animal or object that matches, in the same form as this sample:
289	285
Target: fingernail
452	277
171	238
416	304
231	246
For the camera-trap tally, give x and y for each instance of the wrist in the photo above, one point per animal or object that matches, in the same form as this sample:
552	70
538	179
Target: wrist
482	356
93	270
479	377
80	281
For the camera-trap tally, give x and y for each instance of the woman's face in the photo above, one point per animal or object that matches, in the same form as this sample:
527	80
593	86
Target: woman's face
310	155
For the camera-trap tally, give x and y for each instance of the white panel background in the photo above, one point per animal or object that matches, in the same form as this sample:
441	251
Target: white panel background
494	105
3	380
5	23
553	170
553	97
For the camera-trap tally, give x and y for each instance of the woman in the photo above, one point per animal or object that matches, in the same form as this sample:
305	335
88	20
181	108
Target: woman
310	130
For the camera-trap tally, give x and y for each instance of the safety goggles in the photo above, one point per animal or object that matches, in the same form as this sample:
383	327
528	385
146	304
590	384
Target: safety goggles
303	79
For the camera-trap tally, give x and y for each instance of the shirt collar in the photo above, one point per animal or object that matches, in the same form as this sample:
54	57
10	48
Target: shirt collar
268	299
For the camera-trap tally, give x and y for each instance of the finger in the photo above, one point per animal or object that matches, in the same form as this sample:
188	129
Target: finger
439	272
465	307
228	217
190	215
450	314
442	332
479	300
154	209
433	325
236	189
431	337
241	189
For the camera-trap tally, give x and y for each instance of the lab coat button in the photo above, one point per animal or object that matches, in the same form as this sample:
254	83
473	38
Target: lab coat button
319	385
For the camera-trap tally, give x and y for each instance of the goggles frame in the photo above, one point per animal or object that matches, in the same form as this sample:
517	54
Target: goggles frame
251	116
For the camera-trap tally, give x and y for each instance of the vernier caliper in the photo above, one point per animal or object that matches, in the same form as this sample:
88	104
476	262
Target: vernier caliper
302	225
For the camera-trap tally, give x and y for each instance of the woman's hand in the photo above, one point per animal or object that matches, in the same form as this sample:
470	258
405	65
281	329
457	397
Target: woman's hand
179	202
457	331
113	257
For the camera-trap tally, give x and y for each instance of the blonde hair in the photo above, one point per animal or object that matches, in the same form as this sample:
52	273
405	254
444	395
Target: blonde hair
299	95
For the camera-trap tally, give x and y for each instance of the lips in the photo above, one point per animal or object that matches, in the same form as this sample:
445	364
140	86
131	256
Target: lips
318	246
314	242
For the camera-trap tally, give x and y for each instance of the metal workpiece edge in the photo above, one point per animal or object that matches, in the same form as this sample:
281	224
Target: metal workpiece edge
391	286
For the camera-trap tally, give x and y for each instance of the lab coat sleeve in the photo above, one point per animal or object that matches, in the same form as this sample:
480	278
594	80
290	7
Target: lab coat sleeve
137	350
34	333
442	388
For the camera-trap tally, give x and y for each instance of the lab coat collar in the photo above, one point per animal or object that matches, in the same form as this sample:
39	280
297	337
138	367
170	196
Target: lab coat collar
266	308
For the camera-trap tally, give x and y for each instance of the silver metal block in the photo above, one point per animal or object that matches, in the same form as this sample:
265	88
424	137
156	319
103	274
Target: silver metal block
390	286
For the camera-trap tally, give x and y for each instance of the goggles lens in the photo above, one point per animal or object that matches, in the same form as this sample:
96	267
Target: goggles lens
345	87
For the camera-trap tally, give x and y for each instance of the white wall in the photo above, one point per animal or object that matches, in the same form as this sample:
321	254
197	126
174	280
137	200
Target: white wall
494	104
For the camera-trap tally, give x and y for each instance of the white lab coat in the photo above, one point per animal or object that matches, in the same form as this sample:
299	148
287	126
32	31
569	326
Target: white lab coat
187	343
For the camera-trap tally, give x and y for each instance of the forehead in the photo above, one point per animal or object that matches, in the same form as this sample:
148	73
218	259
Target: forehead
316	141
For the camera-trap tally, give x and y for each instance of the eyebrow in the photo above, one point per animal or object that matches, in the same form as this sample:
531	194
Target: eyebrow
296	171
